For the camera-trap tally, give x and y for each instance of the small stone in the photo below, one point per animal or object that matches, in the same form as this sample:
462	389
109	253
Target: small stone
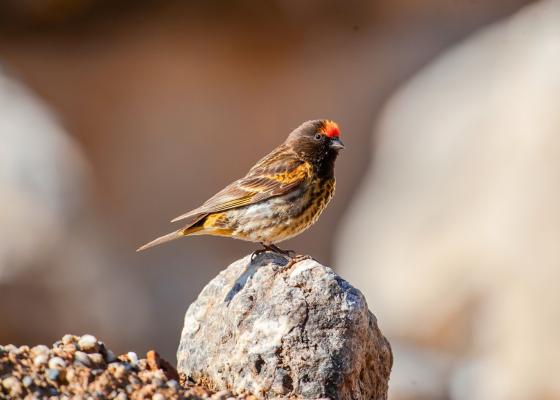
173	383
143	364
221	395
24	349
120	371
122	395
41	359
57	362
129	389
58	343
83	358
158	382
40	349
67	339
133	357
52	374
10	348
160	375
70	374
231	398
89	344
113	394
96	358
134	380
110	357
9	382
27	381
158	396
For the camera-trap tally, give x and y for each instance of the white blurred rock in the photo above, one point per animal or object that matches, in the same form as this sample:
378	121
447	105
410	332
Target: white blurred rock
43	176
455	234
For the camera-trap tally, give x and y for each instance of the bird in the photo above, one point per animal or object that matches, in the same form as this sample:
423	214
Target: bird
280	197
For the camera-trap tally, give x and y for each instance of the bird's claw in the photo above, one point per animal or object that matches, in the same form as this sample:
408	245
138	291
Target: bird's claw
257	253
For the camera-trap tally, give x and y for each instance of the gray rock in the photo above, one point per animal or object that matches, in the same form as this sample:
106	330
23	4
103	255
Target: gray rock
83	358
52	374
301	332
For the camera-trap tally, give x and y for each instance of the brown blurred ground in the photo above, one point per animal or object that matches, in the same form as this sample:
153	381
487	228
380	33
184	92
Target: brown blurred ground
173	101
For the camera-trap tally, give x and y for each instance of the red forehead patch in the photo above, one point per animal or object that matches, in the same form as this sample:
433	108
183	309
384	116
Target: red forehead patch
331	129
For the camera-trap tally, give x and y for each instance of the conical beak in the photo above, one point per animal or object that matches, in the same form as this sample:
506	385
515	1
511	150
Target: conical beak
336	144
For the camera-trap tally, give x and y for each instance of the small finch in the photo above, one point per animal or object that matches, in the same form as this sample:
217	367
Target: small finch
280	197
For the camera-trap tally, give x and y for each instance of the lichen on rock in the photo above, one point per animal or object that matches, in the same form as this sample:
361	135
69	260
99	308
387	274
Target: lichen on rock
299	332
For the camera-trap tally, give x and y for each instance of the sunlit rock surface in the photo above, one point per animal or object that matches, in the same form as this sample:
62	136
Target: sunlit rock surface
301	332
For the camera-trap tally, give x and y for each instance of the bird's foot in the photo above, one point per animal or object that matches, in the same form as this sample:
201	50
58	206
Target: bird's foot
275	249
257	253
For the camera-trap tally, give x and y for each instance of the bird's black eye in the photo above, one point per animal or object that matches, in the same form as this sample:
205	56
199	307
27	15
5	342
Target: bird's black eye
317	136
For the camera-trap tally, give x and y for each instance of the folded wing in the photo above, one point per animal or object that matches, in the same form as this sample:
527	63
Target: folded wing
265	180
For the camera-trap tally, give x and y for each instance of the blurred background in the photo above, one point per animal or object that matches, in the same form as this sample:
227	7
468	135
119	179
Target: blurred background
117	116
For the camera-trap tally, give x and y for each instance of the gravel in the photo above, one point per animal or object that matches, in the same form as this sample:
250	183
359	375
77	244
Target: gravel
82	368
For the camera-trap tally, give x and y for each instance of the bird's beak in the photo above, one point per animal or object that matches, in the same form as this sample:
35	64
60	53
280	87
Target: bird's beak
336	144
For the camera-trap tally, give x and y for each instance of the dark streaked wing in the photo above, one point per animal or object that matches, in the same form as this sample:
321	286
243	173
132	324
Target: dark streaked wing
274	175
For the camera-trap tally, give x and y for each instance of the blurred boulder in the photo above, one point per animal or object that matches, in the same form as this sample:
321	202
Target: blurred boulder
301	332
454	236
43	178
56	270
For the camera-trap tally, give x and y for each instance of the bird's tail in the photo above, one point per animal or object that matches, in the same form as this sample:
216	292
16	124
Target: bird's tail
186	230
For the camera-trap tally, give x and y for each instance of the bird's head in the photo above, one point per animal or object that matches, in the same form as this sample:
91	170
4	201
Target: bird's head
316	140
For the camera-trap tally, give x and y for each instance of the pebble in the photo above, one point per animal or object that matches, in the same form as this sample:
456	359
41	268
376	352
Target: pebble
27	381
52	374
41	359
12	349
134	380
96	358
67	339
158	396
120	372
88	343
83	358
158	382
9	382
122	396
132	357
57	362
160	375
24	349
172	383
110	356
221	395
40	349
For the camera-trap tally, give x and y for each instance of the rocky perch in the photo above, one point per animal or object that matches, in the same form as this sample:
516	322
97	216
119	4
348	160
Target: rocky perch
298	332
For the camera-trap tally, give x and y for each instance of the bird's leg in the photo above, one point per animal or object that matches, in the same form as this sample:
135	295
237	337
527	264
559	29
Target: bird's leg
285	253
258	252
273	249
